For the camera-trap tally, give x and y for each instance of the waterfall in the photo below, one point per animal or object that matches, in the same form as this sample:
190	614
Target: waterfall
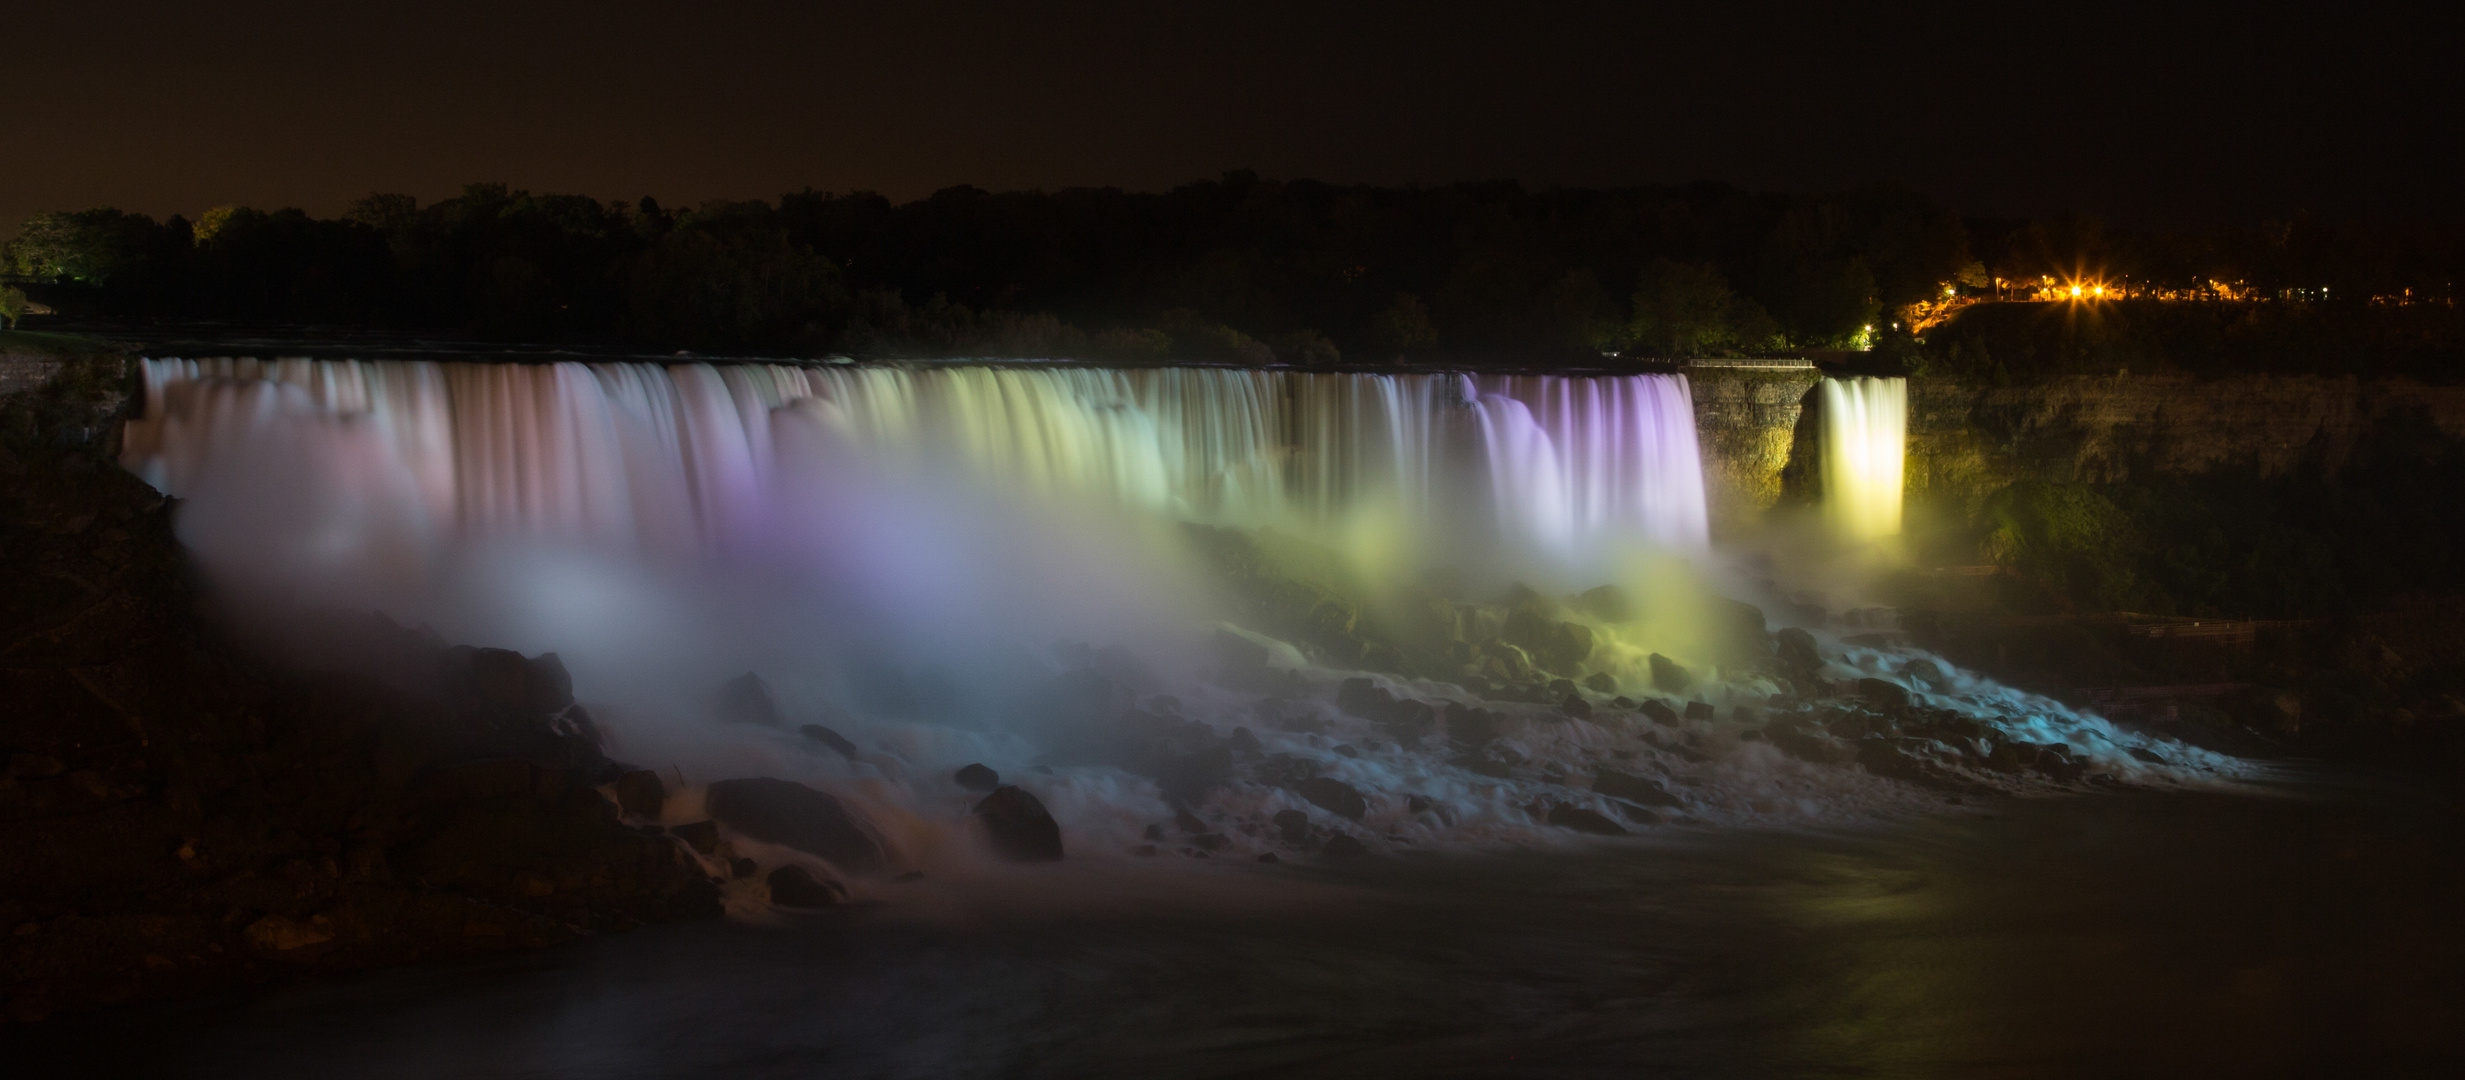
686	457
1865	429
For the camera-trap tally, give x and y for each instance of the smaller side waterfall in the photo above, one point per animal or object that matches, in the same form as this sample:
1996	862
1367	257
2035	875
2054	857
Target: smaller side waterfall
1865	429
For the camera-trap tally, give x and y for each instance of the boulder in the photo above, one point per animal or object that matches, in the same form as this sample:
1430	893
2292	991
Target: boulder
1576	707
1926	673
977	778
1634	789
1294	825
1340	847
701	836
1601	682
1582	820
1608	603
1883	694
1333	796
1659	711
829	738
746	699
1701	710
1798	659
794	886
1021	828
641	794
2149	756
1363	698
1668	676
1470	726
785	812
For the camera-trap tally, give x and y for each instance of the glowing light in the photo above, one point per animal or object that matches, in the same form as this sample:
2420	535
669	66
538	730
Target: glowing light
1865	425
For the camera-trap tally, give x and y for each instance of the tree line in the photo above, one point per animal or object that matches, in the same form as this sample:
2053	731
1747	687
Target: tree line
1237	268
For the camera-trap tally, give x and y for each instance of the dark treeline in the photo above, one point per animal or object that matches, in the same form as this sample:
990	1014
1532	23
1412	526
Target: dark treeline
1238	268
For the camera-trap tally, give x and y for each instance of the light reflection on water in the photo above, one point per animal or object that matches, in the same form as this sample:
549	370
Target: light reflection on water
2160	935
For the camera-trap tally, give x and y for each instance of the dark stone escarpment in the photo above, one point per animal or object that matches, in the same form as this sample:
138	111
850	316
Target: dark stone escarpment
178	817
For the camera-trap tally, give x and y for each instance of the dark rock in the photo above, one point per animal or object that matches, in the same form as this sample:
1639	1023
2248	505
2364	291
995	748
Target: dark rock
1269	858
744	868
1905	759
1334	796
1340	846
1582	820
829	738
1750	735
1211	841
1926	673
1882	694
1637	814
1285	770
1415	804
1470	726
746	699
2149	756
1659	712
1155	832
1608	603
1700	710
1601	682
1634	789
1621	702
1020	826
1576	707
1244	743
641	794
1347	750
1797	657
1294	825
1188	822
701	836
1806	743
1668	676
1360	697
1144	851
977	778
1408	721
794	886
785	812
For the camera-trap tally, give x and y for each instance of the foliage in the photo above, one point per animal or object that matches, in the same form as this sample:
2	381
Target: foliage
1685	310
12	306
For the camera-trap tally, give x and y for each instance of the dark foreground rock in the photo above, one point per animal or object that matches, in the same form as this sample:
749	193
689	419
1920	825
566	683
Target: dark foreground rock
1019	825
787	813
180	817
796	887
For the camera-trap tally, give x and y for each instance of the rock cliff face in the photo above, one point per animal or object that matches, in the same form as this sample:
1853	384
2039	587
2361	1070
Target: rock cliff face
1967	439
177	816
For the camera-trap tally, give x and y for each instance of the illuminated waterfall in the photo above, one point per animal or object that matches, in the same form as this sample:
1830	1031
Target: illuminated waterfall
680	458
1865	428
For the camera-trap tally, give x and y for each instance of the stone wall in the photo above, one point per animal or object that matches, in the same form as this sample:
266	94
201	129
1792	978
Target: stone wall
1969	439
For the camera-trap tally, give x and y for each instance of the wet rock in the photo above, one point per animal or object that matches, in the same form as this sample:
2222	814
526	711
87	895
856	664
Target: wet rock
1659	712
1883	694
785	812
1701	710
1340	847
701	836
1269	858
1608	603
796	887
1363	698
1797	658
1750	735
1634	789
1294	825
1807	743
1188	822
1334	796
1480	765
1576	707
1637	814
1906	759
829	738
1581	820
1601	682
1470	726
2149	756
1926	673
746	699
1668	676
1145	851
641	794
1021	828
977	778
743	868
1347	750
1285	770
1408	721
1415	804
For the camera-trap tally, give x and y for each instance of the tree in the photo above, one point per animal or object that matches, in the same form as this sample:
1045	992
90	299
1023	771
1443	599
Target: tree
1687	310
12	306
1403	327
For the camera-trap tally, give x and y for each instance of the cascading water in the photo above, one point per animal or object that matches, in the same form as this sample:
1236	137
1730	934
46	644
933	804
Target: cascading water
665	458
895	548
1865	429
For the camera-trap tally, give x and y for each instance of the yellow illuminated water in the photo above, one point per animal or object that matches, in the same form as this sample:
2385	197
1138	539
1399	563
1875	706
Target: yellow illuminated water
1865	426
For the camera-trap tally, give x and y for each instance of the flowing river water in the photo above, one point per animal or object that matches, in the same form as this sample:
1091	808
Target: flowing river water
2306	928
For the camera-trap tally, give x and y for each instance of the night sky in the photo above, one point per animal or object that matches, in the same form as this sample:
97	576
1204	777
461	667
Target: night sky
2135	115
